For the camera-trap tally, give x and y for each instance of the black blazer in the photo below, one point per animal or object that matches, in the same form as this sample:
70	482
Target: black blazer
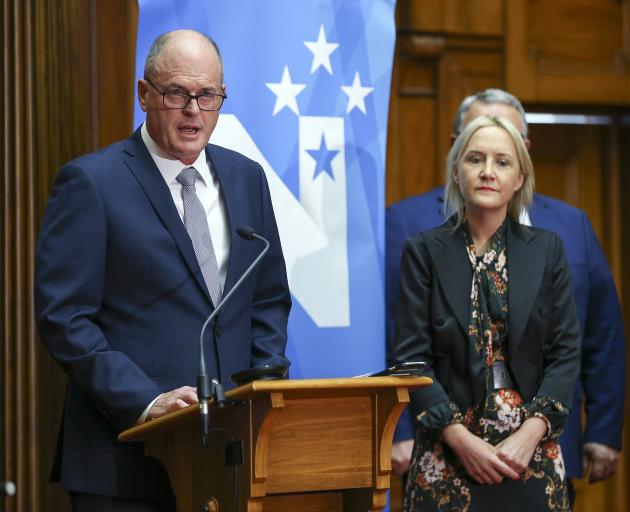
434	309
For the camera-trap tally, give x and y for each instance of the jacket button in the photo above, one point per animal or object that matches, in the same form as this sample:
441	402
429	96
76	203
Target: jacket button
218	332
439	321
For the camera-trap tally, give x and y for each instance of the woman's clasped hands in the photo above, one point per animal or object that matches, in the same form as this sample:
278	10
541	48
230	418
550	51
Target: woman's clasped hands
488	464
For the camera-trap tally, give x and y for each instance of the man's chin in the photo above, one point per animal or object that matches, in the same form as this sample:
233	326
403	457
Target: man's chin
189	155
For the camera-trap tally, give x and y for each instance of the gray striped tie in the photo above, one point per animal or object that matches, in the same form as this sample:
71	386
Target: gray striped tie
196	224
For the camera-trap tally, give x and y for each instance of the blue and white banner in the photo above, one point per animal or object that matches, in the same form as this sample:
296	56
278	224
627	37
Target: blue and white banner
308	91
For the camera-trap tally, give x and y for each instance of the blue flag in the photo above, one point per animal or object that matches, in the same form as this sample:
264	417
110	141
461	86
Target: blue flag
308	91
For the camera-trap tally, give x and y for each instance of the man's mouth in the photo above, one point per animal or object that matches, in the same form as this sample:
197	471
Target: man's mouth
188	130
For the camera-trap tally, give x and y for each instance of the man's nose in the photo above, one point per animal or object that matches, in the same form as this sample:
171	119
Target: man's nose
192	106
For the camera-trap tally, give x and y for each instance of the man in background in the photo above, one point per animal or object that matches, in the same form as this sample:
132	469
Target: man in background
137	248
600	388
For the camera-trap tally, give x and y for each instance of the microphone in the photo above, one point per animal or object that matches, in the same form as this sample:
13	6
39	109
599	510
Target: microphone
204	387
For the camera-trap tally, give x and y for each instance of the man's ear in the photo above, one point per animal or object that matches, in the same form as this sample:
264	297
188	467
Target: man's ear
143	90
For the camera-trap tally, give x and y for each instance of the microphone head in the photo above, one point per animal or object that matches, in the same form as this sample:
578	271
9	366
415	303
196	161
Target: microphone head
246	232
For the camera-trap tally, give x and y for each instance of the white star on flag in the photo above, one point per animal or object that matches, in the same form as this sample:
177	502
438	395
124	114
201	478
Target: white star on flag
321	50
356	94
286	93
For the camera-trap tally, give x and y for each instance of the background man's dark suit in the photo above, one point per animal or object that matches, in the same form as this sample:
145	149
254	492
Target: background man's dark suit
120	302
603	350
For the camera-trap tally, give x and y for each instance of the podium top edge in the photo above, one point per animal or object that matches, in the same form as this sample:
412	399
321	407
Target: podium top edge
289	387
263	386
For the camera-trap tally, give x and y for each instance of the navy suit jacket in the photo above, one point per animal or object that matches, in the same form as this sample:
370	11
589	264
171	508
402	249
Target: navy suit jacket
602	379
120	301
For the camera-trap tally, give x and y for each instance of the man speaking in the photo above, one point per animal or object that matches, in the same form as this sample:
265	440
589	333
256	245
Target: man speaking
137	247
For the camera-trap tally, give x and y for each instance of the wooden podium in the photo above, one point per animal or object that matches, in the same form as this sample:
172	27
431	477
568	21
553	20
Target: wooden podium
309	445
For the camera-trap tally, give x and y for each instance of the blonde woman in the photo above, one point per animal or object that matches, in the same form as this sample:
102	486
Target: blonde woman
486	302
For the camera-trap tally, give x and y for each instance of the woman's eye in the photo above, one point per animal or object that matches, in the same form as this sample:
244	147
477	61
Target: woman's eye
475	159
503	163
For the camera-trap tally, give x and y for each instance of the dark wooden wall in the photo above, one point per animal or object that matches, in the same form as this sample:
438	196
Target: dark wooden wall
68	73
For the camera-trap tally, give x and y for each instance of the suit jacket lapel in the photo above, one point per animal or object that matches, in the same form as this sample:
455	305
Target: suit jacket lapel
454	271
229	194
141	164
526	264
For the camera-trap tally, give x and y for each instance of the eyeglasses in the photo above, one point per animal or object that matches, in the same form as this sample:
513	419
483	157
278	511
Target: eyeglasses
207	101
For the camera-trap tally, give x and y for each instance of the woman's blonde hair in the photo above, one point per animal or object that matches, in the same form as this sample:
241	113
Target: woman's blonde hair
521	199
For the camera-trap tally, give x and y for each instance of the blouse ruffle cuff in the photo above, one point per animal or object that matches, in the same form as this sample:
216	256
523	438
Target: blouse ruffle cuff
552	411
432	420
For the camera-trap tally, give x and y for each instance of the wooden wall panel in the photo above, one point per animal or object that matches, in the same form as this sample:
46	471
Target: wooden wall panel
569	52
16	188
115	63
67	72
47	97
595	28
411	160
480	17
565	157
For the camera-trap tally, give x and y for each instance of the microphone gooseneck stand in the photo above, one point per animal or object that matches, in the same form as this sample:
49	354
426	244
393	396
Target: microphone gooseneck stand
207	388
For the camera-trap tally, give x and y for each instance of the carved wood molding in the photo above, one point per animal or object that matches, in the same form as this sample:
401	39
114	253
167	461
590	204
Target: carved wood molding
423	45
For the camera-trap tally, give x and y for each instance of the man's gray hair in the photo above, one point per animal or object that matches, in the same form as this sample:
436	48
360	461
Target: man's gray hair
489	96
158	46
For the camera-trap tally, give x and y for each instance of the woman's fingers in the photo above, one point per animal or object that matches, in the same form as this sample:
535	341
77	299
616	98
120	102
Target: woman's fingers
506	469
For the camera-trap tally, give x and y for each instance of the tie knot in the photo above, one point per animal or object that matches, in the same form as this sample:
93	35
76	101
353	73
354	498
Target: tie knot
188	176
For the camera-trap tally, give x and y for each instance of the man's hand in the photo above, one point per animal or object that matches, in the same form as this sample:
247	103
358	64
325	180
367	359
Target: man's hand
517	450
172	401
477	456
602	460
401	456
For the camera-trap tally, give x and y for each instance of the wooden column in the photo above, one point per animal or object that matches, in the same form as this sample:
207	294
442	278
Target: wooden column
67	73
47	96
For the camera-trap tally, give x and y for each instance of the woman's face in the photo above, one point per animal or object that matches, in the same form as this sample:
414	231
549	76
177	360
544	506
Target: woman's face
489	173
